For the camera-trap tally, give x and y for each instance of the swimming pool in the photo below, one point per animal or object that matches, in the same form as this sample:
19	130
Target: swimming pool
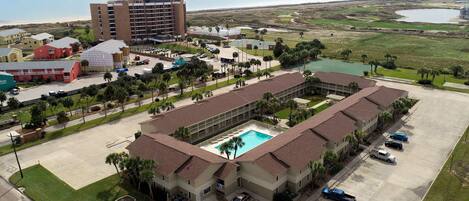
251	140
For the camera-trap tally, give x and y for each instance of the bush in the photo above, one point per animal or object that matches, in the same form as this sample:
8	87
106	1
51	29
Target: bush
466	83
111	105
366	73
425	82
95	108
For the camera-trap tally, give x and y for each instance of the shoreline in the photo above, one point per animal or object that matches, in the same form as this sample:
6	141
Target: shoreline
85	19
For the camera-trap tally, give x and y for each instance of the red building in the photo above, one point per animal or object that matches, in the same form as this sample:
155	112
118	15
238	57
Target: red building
55	50
65	71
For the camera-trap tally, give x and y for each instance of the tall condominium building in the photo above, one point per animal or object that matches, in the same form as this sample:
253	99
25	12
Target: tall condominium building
137	20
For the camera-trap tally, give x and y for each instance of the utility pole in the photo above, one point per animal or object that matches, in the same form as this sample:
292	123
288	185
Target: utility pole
16	155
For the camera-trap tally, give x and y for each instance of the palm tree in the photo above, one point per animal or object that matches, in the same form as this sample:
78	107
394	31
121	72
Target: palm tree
3	98
114	159
107	77
292	105
163	90
301	34
237	143
346	53
121	96
262	107
226	148
354	86
236	55
364	58
457	70
152	85
434	73
352	141
423	72
167	105
147	174
307	73
384	118
182	133
154	110
317	170
197	97
68	103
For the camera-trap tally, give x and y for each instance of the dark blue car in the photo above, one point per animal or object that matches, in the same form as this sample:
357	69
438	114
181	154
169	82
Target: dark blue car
400	136
336	194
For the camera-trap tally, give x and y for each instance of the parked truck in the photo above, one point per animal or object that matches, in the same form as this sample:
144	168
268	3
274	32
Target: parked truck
336	194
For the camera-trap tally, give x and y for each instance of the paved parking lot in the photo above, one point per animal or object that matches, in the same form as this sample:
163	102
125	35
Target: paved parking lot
438	122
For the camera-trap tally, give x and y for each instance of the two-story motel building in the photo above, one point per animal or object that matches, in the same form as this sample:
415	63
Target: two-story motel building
274	166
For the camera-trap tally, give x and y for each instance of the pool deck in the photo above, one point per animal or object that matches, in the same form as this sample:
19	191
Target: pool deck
211	144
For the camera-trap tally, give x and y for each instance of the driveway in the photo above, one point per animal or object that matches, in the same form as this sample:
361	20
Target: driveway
437	123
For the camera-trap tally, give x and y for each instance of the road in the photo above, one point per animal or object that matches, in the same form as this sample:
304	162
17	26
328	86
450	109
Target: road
10	193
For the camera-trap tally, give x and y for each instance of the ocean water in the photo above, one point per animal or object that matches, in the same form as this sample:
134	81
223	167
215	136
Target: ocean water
36	11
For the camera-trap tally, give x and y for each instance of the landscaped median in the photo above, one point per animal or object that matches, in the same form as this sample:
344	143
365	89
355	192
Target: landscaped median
453	181
112	117
411	74
41	184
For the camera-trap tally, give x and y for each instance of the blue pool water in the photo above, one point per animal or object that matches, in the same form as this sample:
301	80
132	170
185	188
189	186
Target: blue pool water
251	140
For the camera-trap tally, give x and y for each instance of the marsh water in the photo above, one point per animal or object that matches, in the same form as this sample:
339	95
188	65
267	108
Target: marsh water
437	16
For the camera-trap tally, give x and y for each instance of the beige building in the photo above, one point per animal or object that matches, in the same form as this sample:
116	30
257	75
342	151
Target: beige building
138	20
10	55
35	41
12	36
279	164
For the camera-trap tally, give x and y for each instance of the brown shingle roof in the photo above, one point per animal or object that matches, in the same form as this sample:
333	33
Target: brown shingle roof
363	110
386	96
336	128
168	122
225	170
299	152
270	163
173	156
344	79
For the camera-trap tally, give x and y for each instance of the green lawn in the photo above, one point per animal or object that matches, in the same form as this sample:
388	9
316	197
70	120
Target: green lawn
258	52
411	74
41	185
384	24
283	114
80	33
180	48
450	183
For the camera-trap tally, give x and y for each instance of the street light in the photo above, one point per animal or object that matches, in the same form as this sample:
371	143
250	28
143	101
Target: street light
16	155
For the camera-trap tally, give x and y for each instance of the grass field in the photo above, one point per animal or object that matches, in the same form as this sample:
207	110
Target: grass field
385	24
453	181
80	33
40	184
411	51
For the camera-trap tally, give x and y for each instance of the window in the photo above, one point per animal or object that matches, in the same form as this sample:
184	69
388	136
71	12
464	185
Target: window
188	181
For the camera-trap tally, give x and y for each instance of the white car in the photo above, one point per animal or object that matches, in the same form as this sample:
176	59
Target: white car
383	155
